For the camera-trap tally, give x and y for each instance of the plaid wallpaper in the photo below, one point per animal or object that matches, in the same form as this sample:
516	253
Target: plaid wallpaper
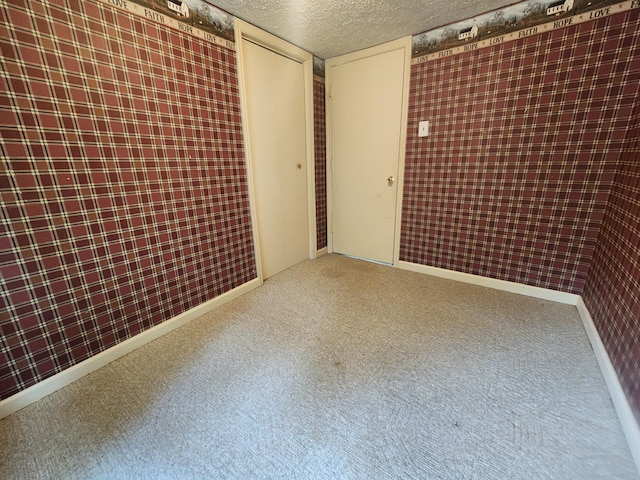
612	291
124	191
525	137
320	145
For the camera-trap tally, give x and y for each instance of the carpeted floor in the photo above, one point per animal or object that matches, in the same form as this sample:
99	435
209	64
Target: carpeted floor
339	369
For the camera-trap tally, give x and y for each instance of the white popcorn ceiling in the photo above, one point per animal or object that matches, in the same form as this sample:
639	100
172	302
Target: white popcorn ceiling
328	28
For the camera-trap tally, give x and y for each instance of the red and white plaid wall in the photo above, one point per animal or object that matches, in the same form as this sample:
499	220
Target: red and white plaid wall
123	183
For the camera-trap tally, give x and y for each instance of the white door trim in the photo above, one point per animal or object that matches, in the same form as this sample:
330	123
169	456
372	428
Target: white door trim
404	43
246	31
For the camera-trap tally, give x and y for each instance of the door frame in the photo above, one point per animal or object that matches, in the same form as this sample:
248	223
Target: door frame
246	31
404	43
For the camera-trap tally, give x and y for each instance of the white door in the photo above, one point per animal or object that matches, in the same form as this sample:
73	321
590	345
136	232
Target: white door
367	130
275	101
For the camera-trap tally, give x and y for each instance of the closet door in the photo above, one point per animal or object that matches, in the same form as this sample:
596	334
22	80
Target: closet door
367	125
276	81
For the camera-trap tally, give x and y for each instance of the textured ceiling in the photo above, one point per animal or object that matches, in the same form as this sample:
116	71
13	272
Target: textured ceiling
328	28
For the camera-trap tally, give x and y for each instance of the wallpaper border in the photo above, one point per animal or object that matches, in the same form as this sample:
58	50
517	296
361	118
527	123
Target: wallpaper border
561	22
152	15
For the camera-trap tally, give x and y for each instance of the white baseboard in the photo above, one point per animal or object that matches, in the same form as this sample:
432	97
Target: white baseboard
621	404
71	374
513	287
322	251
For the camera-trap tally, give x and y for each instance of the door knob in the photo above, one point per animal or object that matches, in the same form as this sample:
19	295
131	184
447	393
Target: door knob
391	180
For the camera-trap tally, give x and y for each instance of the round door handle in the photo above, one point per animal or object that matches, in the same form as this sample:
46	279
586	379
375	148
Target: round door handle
391	180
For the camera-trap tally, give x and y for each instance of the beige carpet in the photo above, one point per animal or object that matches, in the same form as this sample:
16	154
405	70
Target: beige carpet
339	369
